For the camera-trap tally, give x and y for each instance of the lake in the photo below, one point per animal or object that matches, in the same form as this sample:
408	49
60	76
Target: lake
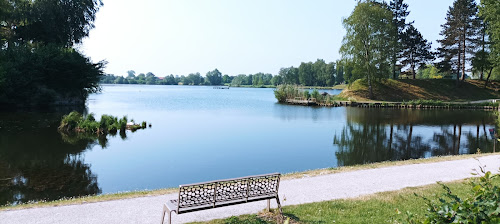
201	134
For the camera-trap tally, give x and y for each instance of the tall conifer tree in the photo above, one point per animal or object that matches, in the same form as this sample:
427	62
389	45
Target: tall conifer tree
399	11
459	36
416	49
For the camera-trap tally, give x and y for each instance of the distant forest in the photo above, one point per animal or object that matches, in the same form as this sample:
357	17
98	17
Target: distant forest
318	73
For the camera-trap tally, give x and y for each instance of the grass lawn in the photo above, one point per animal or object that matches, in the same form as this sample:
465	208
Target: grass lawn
385	207
422	89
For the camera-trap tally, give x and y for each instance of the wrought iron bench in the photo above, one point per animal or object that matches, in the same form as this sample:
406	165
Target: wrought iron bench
220	193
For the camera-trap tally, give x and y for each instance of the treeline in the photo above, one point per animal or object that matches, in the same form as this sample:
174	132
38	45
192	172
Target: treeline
38	64
380	42
317	73
212	78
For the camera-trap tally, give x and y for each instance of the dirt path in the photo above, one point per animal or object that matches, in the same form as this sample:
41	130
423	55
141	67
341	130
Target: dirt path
295	191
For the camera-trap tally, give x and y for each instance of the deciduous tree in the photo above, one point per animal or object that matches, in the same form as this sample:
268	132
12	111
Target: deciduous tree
367	41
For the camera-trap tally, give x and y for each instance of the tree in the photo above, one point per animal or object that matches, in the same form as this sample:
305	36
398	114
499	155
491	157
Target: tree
62	22
367	41
290	75
36	53
416	49
306	74
226	79
214	77
482	59
330	74
277	80
193	79
339	77
130	74
399	13
459	34
320	75
489	11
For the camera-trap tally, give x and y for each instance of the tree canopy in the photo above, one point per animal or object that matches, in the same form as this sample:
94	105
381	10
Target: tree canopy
367	40
38	65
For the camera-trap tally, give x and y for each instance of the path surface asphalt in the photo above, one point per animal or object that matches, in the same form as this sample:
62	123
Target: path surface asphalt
295	191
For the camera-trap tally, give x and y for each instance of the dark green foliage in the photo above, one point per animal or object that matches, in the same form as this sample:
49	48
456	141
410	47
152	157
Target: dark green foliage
489	11
62	22
367	43
214	77
283	92
47	75
74	122
38	66
483	206
399	11
71	121
459	37
318	73
315	94
416	49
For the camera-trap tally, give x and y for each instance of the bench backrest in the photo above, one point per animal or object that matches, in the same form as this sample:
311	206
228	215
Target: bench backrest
220	191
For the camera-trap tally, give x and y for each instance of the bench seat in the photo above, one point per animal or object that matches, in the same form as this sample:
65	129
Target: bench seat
220	193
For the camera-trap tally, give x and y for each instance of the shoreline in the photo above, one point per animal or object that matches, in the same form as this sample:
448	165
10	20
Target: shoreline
490	104
287	176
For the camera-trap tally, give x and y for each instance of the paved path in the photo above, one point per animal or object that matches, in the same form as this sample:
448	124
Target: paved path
296	191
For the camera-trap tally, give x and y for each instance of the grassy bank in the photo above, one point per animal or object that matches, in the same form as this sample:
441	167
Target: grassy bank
304	87
147	193
385	207
422	89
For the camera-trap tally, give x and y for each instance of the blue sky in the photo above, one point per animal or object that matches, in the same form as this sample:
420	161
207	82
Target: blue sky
237	37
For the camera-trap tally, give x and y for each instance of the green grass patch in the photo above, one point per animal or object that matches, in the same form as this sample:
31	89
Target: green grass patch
422	89
385	207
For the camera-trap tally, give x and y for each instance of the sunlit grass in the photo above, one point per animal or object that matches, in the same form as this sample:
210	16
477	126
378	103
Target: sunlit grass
385	207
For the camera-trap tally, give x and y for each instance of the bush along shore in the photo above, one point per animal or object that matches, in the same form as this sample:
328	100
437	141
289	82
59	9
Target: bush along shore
291	94
75	122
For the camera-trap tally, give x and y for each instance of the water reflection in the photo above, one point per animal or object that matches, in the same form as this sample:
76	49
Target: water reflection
36	163
200	132
375	135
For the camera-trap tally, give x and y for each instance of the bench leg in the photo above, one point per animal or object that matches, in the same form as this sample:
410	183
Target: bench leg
268	205
280	219
165	209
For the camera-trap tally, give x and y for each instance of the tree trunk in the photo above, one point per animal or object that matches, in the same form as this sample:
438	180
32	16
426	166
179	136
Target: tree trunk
463	60
459	66
488	78
459	135
413	70
370	87
483	43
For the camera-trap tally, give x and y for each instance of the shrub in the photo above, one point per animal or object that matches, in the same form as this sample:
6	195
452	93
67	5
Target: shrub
283	92
74	122
70	121
483	206
280	93
306	95
315	94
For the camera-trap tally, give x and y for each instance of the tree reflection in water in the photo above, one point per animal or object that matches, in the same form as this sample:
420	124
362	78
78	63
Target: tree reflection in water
376	135
37	163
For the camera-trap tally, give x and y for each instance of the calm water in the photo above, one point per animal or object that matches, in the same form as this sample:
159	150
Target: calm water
200	134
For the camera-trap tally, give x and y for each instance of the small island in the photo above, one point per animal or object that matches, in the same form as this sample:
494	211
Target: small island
75	122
